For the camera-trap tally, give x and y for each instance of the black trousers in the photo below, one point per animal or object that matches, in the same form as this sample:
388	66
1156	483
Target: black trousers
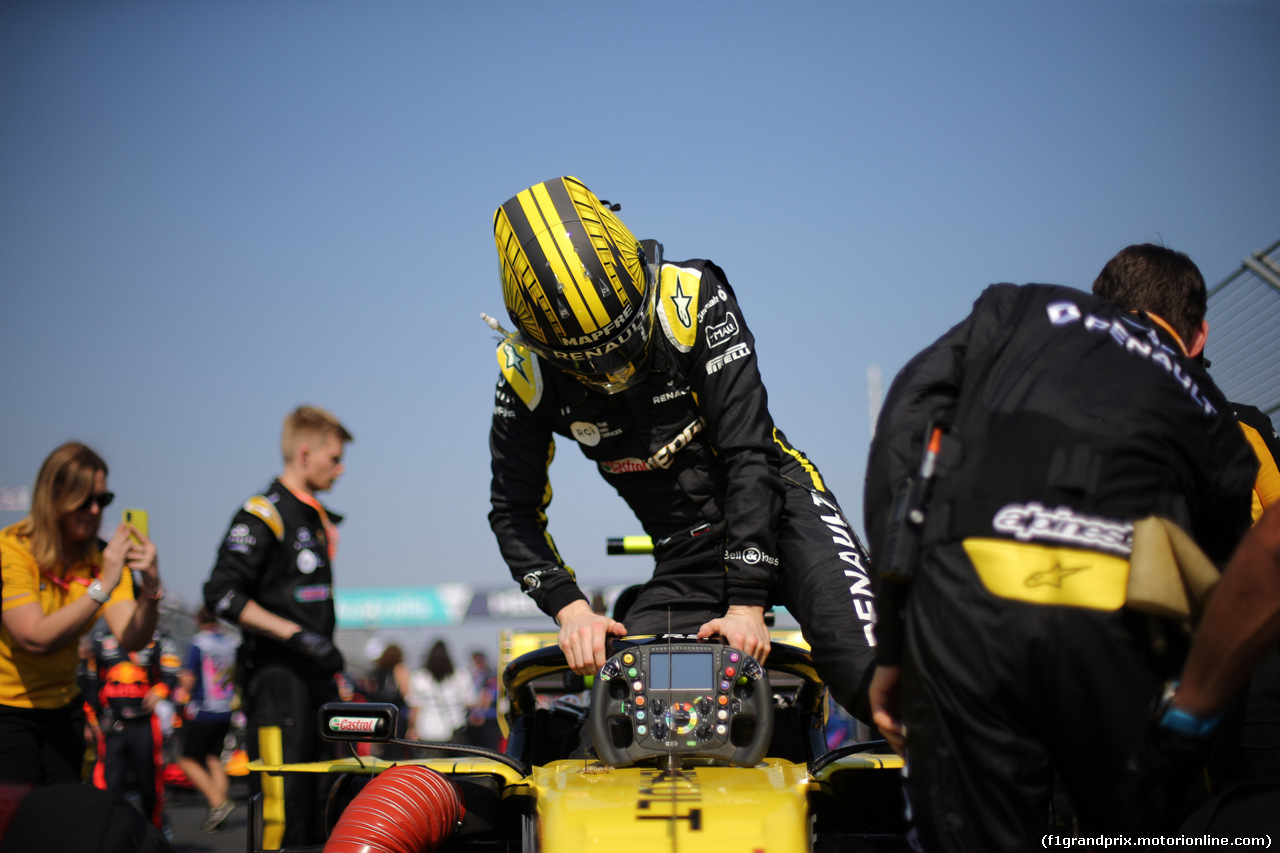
1000	695
137	746
42	746
822	581
281	716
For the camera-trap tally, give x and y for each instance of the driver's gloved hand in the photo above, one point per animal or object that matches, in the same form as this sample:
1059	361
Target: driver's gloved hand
319	649
1160	776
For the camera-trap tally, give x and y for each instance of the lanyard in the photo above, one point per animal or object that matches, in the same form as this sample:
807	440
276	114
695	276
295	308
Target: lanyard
64	584
330	531
1159	321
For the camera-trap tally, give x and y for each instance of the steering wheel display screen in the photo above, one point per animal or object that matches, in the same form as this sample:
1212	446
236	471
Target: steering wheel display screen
681	671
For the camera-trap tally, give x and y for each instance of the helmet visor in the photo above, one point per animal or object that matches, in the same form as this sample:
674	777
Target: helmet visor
612	366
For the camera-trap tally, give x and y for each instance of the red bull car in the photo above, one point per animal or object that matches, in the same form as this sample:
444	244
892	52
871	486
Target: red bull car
677	744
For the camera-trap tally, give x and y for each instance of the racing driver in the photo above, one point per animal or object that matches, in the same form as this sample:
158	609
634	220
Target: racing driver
651	368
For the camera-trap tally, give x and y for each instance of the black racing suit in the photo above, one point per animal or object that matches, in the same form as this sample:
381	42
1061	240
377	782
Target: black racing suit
119	682
276	553
737	515
1070	419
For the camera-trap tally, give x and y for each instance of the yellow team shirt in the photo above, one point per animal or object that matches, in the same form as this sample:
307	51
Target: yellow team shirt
1266	489
44	681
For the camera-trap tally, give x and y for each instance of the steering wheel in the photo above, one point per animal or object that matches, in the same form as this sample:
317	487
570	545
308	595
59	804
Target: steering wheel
660	697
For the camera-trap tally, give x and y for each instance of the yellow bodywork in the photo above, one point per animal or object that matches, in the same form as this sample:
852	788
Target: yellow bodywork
367	765
584	805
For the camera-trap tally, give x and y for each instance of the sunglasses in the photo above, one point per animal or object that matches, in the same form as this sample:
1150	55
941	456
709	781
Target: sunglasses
102	499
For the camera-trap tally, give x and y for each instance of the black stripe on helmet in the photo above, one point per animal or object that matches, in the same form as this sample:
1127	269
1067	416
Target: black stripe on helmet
612	282
536	313
567	215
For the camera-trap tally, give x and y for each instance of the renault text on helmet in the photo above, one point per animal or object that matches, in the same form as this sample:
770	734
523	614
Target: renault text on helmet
575	282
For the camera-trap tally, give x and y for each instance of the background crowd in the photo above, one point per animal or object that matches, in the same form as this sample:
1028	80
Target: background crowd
103	698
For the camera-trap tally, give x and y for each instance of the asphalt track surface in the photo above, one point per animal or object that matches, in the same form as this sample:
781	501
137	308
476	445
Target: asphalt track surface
186	810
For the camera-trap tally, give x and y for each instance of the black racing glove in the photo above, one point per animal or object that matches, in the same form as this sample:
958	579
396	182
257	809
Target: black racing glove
319	649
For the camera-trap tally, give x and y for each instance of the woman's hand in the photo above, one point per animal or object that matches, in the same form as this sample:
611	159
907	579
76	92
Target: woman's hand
114	557
141	557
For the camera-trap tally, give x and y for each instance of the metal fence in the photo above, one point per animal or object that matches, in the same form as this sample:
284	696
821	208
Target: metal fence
1244	332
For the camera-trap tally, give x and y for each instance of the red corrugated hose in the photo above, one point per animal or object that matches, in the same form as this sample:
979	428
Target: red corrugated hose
406	809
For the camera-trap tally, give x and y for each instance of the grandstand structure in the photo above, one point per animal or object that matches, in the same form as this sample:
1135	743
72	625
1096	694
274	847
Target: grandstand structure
1244	332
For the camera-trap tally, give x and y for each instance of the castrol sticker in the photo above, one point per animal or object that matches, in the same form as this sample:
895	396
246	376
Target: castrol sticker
361	725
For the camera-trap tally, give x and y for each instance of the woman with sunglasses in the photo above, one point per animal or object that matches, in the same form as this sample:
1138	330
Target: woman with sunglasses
58	578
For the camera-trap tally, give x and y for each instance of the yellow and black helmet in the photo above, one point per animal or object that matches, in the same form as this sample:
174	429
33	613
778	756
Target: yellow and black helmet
576	283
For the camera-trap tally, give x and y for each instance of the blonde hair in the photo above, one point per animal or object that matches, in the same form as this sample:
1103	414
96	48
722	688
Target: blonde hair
308	422
65	481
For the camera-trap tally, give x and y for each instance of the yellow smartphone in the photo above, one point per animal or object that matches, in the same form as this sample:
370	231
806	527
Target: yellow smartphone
137	518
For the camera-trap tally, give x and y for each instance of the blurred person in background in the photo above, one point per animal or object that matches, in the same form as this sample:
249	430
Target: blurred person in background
274	578
482	717
389	682
126	688
439	698
58	577
208	678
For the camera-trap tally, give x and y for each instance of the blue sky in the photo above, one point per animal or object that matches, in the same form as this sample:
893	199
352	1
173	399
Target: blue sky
211	212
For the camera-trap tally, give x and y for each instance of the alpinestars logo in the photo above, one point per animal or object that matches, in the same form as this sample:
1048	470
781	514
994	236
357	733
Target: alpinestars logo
681	301
1033	521
515	361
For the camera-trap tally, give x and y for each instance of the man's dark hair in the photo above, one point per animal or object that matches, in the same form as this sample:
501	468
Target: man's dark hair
1151	278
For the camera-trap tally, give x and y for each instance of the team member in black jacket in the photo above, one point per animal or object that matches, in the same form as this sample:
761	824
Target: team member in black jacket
1070	419
651	368
274	578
